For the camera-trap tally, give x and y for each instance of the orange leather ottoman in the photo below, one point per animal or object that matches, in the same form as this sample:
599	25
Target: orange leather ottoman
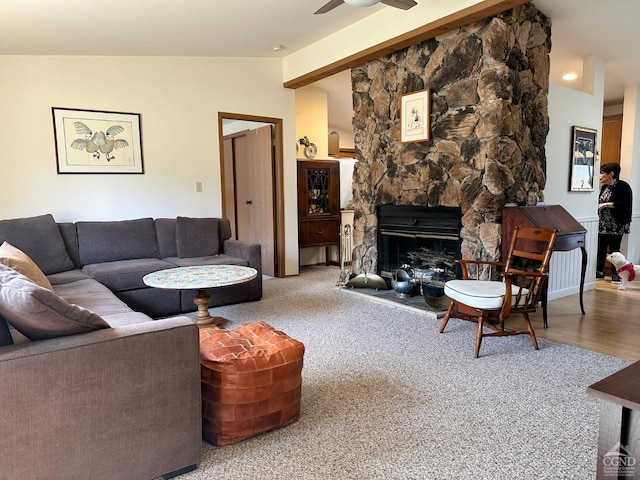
251	381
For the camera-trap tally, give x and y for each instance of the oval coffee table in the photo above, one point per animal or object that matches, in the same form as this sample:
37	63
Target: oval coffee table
201	278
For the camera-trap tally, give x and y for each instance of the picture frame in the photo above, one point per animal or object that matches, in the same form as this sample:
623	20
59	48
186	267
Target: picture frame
415	116
95	141
583	158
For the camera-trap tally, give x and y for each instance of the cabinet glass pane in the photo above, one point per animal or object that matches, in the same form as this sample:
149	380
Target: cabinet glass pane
318	190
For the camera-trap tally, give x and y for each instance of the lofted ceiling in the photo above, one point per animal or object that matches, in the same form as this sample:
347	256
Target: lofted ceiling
250	28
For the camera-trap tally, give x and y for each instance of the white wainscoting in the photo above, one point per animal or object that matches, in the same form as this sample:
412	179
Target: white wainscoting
564	271
631	242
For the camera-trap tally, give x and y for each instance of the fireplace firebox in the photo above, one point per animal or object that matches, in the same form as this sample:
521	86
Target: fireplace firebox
417	235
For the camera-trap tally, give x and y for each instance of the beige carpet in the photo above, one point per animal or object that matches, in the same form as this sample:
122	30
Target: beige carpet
385	396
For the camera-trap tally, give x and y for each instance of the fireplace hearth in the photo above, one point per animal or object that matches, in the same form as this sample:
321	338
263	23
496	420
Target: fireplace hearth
419	236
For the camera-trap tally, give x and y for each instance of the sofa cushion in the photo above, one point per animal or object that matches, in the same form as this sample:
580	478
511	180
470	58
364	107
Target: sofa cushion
166	233
20	261
125	274
209	260
5	334
38	237
100	242
197	237
122	319
70	238
93	296
69	276
39	313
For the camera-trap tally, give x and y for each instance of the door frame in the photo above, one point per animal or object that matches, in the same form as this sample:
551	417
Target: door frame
277	180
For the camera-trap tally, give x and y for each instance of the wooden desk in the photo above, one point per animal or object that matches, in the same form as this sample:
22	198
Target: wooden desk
619	435
571	235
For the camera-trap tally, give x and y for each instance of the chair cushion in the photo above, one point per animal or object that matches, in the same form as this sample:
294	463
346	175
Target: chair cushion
21	262
197	237
39	313
40	238
480	294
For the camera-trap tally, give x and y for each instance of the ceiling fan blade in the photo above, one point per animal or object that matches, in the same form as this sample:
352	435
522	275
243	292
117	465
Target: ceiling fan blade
403	4
329	6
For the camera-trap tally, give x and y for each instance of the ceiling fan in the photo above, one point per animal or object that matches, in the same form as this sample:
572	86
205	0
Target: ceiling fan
403	4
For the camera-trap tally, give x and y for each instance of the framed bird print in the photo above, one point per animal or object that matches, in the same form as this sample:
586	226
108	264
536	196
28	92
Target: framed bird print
415	116
92	141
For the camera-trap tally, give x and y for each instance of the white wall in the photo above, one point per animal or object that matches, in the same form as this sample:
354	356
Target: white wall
630	165
568	107
312	119
178	99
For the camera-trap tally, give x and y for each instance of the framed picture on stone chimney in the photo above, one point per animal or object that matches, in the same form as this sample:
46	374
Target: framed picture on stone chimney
415	115
583	153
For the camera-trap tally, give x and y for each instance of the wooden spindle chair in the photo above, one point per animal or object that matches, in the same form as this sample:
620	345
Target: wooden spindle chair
489	291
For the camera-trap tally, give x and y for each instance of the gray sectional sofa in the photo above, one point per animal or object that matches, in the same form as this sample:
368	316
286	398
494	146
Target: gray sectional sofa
96	381
119	254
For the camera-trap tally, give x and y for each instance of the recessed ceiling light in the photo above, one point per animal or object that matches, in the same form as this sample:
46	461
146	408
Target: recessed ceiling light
569	76
277	48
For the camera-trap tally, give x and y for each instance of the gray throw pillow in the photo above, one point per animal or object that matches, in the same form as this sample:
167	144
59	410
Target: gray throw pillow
39	313
197	237
40	238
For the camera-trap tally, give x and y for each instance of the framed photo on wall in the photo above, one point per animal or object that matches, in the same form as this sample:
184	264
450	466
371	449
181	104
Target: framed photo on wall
92	141
415	115
583	156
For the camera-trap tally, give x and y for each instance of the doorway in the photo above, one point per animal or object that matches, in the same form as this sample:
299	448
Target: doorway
251	165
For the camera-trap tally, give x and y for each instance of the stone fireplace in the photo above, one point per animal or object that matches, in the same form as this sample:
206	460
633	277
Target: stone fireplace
489	121
416	235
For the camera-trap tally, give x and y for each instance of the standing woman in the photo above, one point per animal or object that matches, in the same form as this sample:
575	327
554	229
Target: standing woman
614	212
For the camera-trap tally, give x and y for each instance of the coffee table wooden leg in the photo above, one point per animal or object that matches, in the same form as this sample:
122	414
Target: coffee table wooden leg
203	317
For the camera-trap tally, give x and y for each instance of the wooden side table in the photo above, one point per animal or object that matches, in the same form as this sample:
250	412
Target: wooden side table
201	278
571	235
619	435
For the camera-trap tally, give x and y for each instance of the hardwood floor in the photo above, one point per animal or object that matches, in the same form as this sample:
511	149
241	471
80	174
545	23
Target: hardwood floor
611	324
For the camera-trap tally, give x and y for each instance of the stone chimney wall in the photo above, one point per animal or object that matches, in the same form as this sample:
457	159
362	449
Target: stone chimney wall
489	121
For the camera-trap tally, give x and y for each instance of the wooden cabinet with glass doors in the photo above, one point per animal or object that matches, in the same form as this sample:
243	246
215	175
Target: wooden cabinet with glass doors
318	203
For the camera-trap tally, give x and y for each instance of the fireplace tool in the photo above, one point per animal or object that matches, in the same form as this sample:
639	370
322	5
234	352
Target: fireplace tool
366	279
345	256
432	284
403	281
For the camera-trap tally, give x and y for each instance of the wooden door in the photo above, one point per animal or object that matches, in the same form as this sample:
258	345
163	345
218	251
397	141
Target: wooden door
611	139
250	156
227	180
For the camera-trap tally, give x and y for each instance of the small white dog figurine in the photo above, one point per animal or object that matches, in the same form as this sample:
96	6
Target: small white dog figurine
626	270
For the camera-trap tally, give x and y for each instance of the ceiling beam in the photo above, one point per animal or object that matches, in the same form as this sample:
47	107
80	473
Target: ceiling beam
458	19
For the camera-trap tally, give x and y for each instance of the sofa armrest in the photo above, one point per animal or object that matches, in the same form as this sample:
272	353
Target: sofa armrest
120	403
249	251
252	252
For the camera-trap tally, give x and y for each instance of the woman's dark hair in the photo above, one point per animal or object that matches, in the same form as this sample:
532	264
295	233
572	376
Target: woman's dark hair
611	168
